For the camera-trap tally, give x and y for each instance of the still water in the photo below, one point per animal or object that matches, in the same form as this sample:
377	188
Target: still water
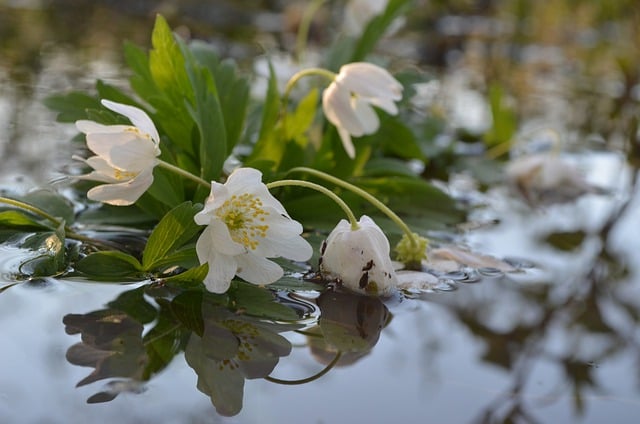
547	331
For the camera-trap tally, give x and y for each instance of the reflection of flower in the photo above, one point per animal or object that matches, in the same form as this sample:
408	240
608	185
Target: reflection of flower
348	101
359	258
350	324
231	349
245	226
112	344
125	155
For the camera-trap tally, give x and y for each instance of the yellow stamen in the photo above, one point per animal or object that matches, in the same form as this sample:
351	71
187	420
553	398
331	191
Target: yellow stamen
244	216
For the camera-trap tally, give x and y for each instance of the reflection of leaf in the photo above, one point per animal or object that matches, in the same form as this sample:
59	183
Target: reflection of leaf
259	302
231	349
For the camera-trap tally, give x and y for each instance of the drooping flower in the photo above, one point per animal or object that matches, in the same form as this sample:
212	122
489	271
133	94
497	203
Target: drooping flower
359	259
245	226
125	155
348	101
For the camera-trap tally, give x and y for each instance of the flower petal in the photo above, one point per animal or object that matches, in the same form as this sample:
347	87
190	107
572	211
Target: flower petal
336	104
123	194
366	115
369	80
257	269
138	117
222	267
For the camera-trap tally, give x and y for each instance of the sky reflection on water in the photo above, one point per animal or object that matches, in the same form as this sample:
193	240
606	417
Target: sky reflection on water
470	355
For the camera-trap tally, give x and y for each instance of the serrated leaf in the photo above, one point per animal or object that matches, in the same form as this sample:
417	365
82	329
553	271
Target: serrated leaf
232	90
172	232
206	112
72	106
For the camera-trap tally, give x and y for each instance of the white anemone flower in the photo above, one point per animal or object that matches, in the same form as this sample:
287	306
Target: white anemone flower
359	259
348	101
125	155
245	226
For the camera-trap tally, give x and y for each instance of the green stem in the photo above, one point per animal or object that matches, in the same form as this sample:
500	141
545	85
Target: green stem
307	184
304	73
365	195
316	376
34	210
55	221
305	24
183	173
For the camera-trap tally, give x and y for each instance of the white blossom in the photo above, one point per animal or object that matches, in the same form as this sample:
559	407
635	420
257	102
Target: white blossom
348	101
125	155
245	226
359	259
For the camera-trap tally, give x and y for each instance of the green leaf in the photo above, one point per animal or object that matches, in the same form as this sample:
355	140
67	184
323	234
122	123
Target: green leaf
72	106
166	62
207	114
109	265
377	27
299	122
269	148
52	203
184	258
166	188
191	277
19	220
172	232
233	90
141	80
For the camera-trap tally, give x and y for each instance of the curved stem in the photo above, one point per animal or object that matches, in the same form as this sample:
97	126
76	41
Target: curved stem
33	209
365	195
55	221
300	183
183	173
304	73
316	376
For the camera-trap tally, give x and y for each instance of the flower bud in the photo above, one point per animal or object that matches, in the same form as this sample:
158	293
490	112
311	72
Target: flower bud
359	259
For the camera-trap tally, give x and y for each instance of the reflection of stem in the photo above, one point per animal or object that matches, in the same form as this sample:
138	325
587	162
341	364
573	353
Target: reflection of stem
308	379
307	184
365	195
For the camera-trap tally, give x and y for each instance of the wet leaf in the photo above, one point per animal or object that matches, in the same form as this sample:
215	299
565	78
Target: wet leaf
109	265
175	229
14	219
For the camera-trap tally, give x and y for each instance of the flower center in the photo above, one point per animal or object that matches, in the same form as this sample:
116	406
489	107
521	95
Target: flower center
244	216
124	175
